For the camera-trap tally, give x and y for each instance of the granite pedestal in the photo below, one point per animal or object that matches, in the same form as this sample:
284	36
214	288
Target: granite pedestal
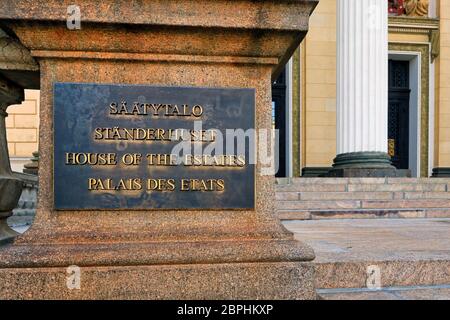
158	254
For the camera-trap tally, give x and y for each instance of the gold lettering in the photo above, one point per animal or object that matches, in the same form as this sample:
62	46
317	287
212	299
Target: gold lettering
131	159
197	111
113	108
98	134
136	110
184	185
123	108
156	110
161	185
92	183
201	185
171	184
220	185
92	159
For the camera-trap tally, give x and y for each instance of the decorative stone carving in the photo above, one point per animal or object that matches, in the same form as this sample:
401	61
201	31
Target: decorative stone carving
16	63
435	44
10	186
417	8
396	7
14	56
33	166
26	209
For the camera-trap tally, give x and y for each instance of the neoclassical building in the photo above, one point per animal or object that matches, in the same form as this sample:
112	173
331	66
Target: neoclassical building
368	87
363	113
371	76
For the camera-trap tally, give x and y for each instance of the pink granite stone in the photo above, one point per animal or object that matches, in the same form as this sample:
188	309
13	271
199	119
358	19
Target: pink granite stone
217	254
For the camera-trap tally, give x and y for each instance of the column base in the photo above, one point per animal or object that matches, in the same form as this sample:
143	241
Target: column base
369	173
441	172
365	165
315	172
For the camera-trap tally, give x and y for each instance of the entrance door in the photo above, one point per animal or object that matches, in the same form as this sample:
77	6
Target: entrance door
399	112
279	118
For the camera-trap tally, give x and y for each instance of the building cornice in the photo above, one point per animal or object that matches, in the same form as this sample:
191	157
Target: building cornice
418	25
406	24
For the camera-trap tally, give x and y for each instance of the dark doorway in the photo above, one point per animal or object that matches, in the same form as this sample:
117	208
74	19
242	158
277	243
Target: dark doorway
398	116
279	120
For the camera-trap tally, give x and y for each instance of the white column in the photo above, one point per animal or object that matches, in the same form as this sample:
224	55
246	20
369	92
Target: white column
362	75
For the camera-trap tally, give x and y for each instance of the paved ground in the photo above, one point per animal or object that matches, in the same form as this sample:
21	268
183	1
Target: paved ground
412	256
400	293
369	240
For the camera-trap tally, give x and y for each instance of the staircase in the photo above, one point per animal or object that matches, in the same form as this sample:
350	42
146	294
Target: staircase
379	259
362	198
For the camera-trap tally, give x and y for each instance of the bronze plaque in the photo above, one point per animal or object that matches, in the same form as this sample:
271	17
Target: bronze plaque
119	147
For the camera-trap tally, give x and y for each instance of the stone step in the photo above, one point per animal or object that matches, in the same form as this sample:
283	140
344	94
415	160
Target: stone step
325	198
391	293
363	214
314	181
307	196
394	273
424	195
399	187
318	205
355	254
362	204
294	196
312	188
405	204
413	187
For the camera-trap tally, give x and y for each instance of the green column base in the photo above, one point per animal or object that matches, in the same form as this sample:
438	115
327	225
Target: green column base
365	164
315	172
363	160
441	173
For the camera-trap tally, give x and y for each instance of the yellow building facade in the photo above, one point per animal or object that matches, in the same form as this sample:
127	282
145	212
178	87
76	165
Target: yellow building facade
420	41
22	127
421	44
